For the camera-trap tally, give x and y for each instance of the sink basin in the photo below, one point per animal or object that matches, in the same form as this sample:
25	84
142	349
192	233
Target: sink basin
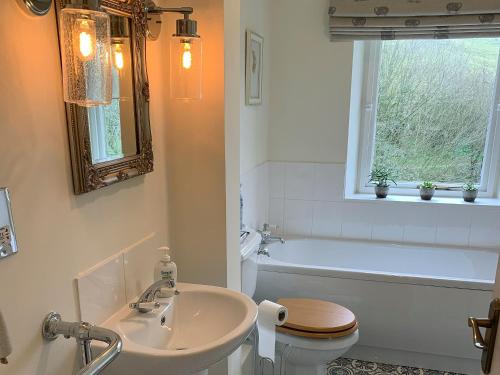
187	334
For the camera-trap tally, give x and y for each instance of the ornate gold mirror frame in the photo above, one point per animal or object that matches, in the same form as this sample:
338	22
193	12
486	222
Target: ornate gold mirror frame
86	175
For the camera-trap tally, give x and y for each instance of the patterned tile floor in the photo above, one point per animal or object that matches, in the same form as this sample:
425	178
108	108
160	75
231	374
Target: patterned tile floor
347	366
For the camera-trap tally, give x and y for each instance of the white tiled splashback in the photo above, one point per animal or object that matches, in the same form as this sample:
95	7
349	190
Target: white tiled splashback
255	193
108	286
307	199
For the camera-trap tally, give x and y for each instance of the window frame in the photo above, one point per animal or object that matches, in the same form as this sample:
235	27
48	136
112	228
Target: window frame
369	101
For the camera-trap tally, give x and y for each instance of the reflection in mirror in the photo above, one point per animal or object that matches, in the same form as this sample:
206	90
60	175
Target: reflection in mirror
113	127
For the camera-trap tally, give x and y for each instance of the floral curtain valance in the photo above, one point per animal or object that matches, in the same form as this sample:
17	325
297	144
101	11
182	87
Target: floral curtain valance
413	19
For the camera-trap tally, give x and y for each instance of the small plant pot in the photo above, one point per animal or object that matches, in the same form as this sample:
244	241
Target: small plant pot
426	194
381	191
469	195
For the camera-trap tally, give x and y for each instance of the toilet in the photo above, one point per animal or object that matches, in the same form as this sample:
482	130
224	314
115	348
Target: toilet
316	331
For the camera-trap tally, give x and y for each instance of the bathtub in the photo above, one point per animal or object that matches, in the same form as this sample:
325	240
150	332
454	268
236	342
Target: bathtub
412	302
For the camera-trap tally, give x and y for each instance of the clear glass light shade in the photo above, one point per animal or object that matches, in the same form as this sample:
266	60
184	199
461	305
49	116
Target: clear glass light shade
185	68
86	57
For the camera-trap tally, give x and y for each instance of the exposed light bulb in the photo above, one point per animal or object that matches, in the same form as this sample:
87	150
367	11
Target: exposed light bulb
187	57
186	67
118	57
86	38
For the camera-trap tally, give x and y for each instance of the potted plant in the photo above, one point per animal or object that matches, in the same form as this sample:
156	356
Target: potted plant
381	177
427	190
469	191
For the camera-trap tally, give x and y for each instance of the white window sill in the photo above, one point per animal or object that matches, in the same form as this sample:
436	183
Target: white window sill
480	202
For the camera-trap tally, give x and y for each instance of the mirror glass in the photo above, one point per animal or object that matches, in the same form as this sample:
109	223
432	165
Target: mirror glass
113	132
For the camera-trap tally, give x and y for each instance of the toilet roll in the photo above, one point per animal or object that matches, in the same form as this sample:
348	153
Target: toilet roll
270	315
5	347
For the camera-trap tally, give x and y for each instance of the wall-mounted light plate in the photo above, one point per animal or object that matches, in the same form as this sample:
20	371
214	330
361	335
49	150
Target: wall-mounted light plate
8	244
154	22
154	26
38	7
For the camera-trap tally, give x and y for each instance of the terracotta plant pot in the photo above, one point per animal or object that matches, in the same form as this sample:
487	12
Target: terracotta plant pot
469	195
426	194
381	191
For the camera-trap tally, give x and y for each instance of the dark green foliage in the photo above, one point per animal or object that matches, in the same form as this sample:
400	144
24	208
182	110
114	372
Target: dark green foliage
427	185
435	99
469	187
381	176
113	129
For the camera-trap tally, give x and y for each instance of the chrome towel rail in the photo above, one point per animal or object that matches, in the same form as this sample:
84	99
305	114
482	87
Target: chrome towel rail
84	333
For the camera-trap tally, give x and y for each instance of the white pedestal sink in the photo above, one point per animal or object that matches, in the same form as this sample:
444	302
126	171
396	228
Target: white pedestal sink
186	335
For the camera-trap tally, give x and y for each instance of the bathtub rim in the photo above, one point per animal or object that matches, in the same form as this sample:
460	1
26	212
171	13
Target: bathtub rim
274	265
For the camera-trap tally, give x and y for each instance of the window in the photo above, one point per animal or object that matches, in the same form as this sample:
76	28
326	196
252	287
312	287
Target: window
430	112
105	127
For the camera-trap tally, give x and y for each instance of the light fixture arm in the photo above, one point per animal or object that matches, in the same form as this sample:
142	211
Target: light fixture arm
186	11
185	27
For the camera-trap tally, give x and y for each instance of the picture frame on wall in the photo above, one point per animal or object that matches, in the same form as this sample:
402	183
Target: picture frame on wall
254	68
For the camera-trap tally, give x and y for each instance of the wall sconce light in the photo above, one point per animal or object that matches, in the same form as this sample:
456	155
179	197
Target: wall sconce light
185	53
88	52
118	58
119	34
85	43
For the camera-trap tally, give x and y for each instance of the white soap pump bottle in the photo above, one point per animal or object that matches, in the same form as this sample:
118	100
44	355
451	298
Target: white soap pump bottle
165	269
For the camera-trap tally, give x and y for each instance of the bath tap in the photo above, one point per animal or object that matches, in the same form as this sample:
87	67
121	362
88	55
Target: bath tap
263	250
267	236
146	301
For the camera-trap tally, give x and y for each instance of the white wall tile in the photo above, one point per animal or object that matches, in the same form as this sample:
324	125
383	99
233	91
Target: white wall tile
276	179
387	223
249	192
298	217
139	262
485	227
327	221
420	224
277	214
356	220
255	192
299	181
307	199
262	195
453	225
101	290
328	182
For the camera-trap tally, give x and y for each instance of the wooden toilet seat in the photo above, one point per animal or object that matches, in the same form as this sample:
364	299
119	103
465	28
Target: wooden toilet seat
317	319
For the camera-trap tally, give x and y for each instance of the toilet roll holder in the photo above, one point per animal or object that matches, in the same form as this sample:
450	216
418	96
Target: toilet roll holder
264	360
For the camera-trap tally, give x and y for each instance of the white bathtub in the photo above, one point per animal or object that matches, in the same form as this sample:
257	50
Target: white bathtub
412	302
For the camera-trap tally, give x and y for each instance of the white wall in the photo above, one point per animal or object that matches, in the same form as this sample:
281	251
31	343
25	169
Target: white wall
311	81
59	234
254	120
256	15
232	69
196	156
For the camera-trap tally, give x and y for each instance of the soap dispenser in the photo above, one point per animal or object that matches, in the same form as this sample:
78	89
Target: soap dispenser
165	269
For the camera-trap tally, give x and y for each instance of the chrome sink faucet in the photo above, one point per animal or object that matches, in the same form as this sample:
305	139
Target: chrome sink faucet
146	301
267	236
